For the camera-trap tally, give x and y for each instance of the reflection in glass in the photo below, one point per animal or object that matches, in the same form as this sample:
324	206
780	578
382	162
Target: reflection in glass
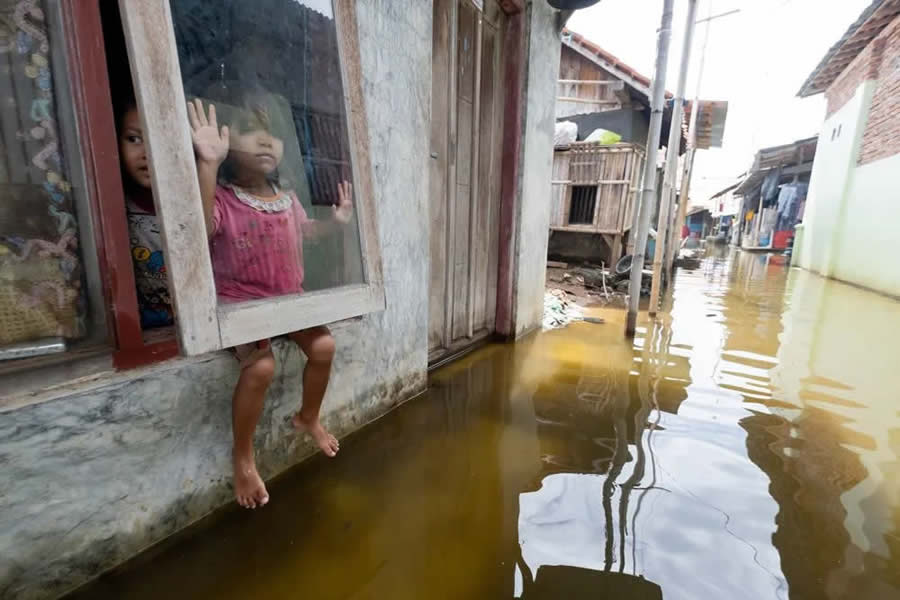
271	70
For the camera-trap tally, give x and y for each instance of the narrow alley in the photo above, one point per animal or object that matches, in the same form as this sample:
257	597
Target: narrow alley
750	434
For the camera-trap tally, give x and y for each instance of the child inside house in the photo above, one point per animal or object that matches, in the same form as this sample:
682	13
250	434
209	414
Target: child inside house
256	230
154	302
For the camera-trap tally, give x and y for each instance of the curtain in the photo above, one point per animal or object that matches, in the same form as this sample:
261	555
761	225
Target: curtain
41	292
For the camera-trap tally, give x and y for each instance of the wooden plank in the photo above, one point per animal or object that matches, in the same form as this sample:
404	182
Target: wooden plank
592	82
449	299
587	100
495	121
486	148
250	321
460	264
475	195
514	35
358	130
438	171
161	101
460	223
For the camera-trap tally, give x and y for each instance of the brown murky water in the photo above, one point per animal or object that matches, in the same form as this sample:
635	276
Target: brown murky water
746	446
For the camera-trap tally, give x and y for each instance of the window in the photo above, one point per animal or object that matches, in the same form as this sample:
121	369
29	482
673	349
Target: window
51	299
284	77
584	202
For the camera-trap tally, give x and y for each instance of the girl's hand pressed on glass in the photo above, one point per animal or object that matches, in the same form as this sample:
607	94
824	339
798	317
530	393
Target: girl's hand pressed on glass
343	212
210	143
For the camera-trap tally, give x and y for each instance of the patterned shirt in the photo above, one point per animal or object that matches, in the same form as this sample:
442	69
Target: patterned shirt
154	301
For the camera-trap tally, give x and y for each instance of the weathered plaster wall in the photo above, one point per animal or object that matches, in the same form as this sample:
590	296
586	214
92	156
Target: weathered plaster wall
95	474
533	226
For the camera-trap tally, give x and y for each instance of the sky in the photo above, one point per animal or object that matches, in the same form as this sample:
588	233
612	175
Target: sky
757	60
322	6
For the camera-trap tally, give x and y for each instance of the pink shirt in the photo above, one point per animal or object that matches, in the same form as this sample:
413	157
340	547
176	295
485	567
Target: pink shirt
256	247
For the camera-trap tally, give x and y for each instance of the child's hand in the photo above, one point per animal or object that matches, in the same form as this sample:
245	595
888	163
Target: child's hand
210	144
343	212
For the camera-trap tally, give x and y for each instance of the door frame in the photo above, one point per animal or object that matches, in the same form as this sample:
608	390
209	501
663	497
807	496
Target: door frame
511	78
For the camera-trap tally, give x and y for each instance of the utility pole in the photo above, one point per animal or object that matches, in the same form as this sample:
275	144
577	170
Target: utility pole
672	150
657	104
692	144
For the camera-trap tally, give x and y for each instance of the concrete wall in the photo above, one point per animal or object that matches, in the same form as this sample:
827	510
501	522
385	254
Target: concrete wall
852	213
831	180
533	223
867	239
95	472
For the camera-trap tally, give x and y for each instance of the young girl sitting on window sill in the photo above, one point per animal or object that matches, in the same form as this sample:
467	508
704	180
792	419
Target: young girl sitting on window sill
256	231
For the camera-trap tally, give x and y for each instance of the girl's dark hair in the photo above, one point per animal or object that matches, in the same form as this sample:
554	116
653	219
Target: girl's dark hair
246	98
122	104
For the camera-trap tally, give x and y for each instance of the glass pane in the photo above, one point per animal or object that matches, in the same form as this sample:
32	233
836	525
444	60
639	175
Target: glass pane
271	70
42	300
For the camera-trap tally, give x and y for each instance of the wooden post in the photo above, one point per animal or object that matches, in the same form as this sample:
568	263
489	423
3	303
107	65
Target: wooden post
658	97
674	147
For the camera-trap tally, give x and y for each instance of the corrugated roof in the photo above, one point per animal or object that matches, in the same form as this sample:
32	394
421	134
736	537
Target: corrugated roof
870	23
800	152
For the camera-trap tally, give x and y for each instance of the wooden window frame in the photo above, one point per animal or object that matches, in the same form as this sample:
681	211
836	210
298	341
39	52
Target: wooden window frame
100	155
203	324
120	338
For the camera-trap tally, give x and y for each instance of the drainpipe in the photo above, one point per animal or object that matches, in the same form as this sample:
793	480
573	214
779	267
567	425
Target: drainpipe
658	96
674	146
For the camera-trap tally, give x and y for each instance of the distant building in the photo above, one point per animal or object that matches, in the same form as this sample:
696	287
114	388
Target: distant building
699	222
774	195
725	209
851	224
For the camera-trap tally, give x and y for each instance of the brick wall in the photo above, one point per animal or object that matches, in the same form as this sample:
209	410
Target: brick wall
882	135
844	87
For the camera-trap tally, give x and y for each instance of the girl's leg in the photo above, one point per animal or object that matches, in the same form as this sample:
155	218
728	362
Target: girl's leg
318	346
246	408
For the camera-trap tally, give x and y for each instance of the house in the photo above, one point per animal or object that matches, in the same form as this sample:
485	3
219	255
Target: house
595	185
114	436
852	211
699	222
725	209
773	195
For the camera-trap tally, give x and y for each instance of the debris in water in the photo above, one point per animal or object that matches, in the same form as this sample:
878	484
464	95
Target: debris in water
559	310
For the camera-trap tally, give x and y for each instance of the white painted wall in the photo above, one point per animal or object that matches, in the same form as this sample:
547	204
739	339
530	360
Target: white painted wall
869	235
838	149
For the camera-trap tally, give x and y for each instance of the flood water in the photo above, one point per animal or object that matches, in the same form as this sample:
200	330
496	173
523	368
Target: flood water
745	446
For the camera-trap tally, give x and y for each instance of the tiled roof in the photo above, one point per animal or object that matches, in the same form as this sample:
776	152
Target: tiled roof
870	23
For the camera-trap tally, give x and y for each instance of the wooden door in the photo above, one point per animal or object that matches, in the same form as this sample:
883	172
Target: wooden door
466	130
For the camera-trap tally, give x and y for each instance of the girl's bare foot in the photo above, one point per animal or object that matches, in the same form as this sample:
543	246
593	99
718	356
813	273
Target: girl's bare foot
249	489
324	440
